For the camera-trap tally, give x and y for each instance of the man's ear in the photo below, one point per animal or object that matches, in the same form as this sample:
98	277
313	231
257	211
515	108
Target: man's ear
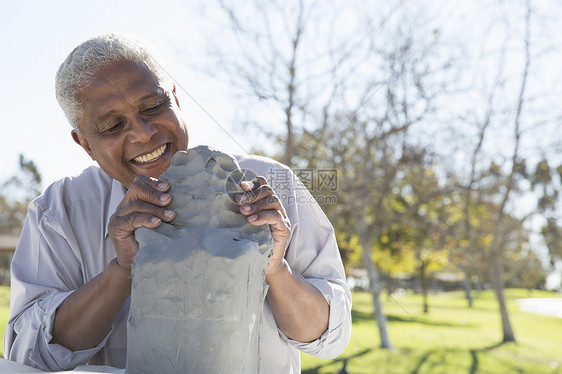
82	142
176	96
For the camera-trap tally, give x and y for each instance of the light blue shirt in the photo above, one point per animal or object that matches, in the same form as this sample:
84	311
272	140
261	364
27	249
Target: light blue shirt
64	244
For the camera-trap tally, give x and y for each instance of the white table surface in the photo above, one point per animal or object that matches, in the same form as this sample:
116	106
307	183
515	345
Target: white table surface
9	367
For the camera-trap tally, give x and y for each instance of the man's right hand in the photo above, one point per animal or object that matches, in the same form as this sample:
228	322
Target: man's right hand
85	317
144	205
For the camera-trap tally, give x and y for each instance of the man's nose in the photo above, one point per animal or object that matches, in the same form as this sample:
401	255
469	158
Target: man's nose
141	130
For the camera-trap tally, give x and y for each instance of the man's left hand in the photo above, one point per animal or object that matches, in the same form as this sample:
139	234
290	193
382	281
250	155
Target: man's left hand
261	205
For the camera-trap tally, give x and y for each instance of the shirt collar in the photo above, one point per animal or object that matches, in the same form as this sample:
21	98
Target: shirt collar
117	194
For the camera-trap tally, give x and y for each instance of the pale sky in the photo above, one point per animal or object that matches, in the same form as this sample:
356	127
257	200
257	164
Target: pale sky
36	36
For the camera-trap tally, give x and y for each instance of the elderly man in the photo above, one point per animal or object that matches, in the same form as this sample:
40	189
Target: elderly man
71	270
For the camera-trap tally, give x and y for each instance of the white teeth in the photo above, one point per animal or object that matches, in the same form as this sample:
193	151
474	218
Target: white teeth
151	156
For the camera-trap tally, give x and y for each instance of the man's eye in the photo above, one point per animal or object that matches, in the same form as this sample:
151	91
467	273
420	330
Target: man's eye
115	128
153	109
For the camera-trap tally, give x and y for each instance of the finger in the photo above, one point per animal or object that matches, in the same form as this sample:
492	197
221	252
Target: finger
121	231
148	189
157	184
122	227
269	203
279	223
255	183
139	207
256	194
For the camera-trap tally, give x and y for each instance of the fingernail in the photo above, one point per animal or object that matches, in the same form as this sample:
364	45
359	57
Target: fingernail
253	217
155	220
165	198
246	208
169	213
246	185
162	186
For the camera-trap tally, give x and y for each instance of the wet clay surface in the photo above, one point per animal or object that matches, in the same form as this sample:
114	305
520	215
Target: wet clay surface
198	286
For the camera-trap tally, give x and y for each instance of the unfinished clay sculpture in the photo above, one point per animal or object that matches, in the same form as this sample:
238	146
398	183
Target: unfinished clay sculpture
198	284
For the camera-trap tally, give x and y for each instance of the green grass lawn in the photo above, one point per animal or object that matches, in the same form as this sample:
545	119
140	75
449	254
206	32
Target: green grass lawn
4	313
451	338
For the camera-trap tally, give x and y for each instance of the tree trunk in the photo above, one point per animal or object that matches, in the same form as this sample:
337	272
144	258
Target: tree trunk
374	280
380	318
375	289
468	288
497	282
423	280
289	141
289	149
367	257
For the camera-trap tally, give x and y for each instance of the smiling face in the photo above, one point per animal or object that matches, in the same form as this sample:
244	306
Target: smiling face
131	124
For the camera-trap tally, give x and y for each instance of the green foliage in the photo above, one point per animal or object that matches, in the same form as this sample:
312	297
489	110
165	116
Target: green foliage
524	269
450	339
549	189
16	193
542	173
552	234
350	249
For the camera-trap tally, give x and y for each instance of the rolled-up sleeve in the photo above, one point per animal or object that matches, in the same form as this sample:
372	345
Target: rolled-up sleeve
42	278
314	253
334	340
31	333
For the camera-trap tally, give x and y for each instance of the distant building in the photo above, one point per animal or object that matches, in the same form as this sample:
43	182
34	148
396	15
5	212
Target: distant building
8	243
358	280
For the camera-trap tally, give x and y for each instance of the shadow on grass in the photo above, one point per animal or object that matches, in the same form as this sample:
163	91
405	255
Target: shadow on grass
393	318
368	317
340	359
473	354
357	316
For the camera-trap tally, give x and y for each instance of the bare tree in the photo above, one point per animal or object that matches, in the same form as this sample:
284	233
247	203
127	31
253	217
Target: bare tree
289	57
373	149
359	94
361	101
497	185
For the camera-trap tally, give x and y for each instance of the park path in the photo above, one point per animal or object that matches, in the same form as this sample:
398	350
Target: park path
544	306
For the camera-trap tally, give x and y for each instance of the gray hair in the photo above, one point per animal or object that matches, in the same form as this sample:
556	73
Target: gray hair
84	61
